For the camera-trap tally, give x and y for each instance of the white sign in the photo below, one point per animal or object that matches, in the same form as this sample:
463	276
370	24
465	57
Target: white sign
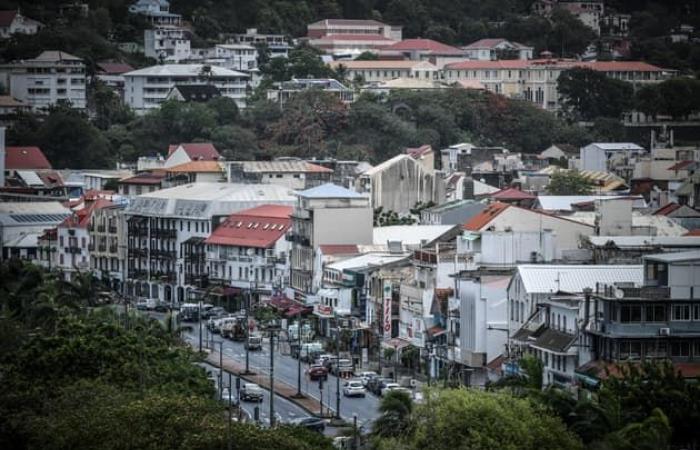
386	321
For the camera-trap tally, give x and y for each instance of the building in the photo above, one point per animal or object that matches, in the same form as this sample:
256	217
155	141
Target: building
275	44
504	217
376	71
536	80
250	246
401	184
13	22
107	245
631	249
286	89
167	44
179	154
166	230
617	157
429	50
494	49
147	88
589	12
194	172
543	312
141	183
201	93
656	318
74	240
294	174
112	75
565	204
51	78
424	155
239	57
350	38
560	151
21	225
157	12
11	109
326	214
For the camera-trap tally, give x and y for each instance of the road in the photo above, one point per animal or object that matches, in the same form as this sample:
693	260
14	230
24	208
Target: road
285	370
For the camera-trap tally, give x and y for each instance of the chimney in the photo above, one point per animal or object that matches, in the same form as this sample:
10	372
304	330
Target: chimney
2	157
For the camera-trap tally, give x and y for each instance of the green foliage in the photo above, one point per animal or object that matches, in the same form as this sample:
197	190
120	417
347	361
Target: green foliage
395	418
587	94
387	218
678	98
568	183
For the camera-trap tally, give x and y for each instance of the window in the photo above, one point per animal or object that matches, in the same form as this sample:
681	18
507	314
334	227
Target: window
188	226
630	313
680	349
196	227
655	313
656	350
696	312
630	350
680	312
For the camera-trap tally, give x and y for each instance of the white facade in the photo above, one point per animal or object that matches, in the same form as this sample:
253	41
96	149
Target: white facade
277	44
20	25
52	77
237	56
607	157
375	71
146	89
168	44
73	251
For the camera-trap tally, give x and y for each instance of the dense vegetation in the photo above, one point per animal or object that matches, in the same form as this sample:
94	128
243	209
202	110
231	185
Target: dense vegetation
79	377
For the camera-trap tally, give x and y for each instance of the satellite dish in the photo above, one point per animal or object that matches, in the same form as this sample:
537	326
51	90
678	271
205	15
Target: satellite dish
619	293
250	252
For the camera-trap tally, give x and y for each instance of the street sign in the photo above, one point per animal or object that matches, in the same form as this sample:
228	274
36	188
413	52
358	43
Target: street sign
386	307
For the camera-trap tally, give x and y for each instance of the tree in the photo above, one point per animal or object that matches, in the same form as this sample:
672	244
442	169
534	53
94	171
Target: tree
367	56
568	183
588	94
395	411
569	37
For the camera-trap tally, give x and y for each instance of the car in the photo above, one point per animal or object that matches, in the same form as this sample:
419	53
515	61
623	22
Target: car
310	423
341	367
354	388
161	307
389	387
253	343
145	304
216	311
376	384
316	372
251	392
366	376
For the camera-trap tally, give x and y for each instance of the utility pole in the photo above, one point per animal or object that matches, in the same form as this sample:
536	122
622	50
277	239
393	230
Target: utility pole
199	317
273	330
337	373
230	411
247	333
299	394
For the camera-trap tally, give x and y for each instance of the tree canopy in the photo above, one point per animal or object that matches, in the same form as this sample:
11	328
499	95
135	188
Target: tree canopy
568	183
587	94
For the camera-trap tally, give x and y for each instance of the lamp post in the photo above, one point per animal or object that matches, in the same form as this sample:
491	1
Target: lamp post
337	374
273	328
299	394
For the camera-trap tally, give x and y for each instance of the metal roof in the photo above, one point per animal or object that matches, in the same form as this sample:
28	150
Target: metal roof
329	190
545	279
410	234
646	241
693	255
184	70
366	261
617	146
566	202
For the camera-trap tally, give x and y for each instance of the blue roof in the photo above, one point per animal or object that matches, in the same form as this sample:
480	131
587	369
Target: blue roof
329	190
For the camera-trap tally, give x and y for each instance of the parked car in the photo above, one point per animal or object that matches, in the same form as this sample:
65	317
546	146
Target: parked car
376	384
341	367
316	372
251	392
354	388
161	307
145	304
365	376
253	343
216	311
311	423
389	387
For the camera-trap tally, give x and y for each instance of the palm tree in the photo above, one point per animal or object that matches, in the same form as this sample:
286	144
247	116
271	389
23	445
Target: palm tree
396	411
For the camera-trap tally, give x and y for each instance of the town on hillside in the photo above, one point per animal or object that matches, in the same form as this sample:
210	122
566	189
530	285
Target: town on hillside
357	225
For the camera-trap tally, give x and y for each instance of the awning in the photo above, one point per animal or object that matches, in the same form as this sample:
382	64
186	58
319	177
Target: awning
328	293
395	343
436	331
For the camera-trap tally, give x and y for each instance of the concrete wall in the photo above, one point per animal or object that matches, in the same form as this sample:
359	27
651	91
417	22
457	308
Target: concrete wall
342	226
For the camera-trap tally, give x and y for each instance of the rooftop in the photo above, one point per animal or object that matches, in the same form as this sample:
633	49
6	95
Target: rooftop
27	158
56	55
354	37
454	204
567	202
152	177
617	145
622	242
482	219
197	167
197	151
545	279
410	234
512	194
490	43
283	166
258	227
388	64
367	260
693	255
329	190
339	249
184	70
113	68
347	22
28	213
427	45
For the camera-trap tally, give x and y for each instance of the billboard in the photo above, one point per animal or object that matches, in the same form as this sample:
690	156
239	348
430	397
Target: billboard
386	309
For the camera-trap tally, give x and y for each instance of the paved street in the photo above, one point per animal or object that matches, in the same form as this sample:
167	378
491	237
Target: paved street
286	371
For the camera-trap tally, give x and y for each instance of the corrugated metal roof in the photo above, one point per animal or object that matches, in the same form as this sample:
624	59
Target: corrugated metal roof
329	190
693	255
544	279
283	167
410	234
367	260
566	202
646	241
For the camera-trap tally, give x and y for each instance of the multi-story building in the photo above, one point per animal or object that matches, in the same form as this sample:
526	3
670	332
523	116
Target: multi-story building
346	37
52	77
536	80
237	56
429	50
286	89
657	318
74	240
112	75
293	173
326	214
276	44
374	71
167	43
498	48
589	12
22	223
166	230
107	233
13	22
145	89
250	246
157	12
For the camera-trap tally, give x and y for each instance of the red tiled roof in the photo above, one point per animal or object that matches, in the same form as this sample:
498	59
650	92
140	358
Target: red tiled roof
196	166
600	66
339	249
666	209
81	218
258	227
417	152
426	45
114	68
480	64
512	194
315	168
681	165
152	177
354	37
6	18
25	158
695	232
482	219
201	151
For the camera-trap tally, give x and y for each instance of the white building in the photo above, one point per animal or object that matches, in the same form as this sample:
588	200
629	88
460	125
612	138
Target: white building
13	22
21	225
276	44
147	88
52	77
617	157
166	230
375	71
156	12
237	56
167	43
493	49
251	246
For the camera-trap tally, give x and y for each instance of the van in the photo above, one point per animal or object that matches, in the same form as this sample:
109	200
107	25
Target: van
253	343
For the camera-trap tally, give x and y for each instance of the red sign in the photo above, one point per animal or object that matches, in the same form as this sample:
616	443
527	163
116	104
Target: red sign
386	297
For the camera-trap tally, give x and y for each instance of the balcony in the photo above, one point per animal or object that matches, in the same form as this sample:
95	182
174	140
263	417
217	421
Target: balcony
299	239
72	250
163	254
113	248
100	228
102	248
91	247
138	253
112	229
138	274
163	233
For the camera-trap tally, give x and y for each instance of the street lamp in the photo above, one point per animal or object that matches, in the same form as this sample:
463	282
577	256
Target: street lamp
247	327
272	328
299	394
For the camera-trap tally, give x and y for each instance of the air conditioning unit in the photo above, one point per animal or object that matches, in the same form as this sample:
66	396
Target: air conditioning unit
664	331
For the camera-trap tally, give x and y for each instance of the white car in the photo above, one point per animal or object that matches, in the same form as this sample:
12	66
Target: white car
354	388
365	376
389	387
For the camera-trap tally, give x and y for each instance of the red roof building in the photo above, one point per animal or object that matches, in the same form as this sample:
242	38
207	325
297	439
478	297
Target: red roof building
113	68
339	249
25	158
7	17
197	152
514	196
81	218
259	227
482	219
427	46
681	165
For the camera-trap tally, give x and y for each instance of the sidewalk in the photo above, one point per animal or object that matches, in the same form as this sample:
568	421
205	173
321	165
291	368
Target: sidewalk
309	404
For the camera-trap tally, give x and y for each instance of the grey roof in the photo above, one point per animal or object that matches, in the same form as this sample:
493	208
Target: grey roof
693	255
329	190
566	202
183	70
410	234
553	340
645	241
454	204
56	55
617	146
367	260
328	84
545	279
